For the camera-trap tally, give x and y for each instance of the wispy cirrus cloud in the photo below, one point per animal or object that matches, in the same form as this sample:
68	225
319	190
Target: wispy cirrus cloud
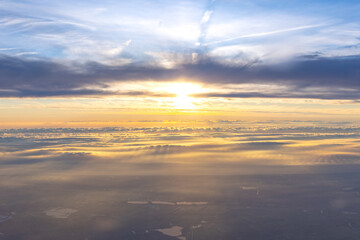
58	30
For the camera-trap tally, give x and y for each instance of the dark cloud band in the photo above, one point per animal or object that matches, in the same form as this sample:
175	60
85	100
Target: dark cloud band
338	77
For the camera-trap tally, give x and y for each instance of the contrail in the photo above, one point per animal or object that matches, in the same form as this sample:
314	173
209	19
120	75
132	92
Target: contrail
205	22
264	34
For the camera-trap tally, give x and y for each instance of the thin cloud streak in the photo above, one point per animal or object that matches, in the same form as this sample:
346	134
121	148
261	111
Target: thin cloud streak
263	34
341	95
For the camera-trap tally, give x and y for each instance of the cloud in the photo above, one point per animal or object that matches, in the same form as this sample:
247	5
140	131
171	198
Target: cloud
25	53
204	24
206	17
245	143
315	77
263	34
81	93
325	95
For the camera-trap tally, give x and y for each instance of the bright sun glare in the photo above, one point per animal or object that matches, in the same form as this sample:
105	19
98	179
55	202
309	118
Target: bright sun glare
182	90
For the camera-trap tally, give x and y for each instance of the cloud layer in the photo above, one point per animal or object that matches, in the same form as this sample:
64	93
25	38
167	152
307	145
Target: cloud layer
229	143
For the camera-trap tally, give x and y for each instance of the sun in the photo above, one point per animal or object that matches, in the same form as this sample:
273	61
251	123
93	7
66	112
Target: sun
183	90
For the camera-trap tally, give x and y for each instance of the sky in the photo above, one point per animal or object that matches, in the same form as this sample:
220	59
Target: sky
102	63
221	118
